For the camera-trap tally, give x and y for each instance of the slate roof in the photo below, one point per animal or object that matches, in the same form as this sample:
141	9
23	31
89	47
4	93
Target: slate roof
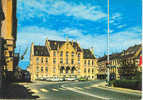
131	51
55	44
41	51
111	57
87	54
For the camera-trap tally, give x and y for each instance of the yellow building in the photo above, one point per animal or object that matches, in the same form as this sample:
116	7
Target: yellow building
9	31
122	65
61	59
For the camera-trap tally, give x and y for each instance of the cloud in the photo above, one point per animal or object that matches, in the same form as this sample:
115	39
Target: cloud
35	8
119	41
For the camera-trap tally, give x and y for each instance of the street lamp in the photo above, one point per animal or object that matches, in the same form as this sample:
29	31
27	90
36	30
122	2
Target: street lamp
108	60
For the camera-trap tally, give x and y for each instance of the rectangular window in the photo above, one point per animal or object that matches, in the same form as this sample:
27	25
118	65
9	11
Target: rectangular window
61	54
37	69
54	60
41	69
41	60
37	60
72	54
66	61
46	69
78	61
46	60
54	53
92	71
61	60
89	70
54	69
92	62
72	61
85	62
67	54
84	70
88	62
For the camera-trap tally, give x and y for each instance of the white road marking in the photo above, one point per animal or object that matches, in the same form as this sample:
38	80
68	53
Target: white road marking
34	90
55	90
62	88
87	87
85	93
78	88
43	90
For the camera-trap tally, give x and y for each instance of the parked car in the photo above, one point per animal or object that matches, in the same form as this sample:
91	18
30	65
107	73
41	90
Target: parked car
71	79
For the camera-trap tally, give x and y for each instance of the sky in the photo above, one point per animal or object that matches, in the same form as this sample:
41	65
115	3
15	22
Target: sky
84	21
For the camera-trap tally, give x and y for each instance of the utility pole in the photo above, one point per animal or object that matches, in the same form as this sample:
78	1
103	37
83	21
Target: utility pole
108	46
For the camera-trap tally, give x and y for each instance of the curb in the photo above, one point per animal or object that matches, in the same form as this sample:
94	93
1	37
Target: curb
122	90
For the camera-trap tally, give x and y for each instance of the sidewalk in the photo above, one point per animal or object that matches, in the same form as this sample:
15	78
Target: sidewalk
16	91
118	89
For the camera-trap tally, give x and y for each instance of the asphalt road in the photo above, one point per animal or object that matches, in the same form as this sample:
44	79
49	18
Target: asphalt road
77	91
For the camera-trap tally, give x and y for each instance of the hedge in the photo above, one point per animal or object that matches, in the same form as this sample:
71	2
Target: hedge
131	84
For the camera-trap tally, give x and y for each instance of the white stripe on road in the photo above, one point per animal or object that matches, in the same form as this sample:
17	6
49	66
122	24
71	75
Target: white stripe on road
43	90
89	94
34	90
78	88
55	90
62	88
87	87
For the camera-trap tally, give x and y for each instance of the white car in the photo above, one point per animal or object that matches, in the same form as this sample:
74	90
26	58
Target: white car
55	79
70	79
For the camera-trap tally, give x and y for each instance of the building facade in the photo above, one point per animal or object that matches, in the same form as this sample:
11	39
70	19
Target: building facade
130	62
9	31
62	59
122	65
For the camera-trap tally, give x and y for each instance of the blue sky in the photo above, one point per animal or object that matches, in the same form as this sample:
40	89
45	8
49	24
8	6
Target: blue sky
81	20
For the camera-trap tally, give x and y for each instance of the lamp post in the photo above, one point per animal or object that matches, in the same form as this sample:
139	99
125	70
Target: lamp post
108	40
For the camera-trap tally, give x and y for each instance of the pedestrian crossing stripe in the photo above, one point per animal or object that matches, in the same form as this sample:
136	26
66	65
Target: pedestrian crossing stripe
55	90
62	89
78	88
34	90
43	90
87	87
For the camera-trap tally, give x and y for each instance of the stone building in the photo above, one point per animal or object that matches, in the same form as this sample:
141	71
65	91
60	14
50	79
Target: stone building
122	65
9	31
62	59
130	61
114	66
